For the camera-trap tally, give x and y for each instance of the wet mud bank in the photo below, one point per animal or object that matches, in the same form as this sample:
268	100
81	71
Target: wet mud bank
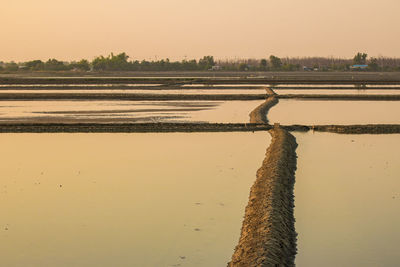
270	91
36	126
259	114
268	236
129	127
223	77
149	96
359	129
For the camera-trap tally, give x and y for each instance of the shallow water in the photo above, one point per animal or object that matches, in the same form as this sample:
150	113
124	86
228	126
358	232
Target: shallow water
143	91
77	85
310	112
128	111
347	198
337	92
125	199
313	85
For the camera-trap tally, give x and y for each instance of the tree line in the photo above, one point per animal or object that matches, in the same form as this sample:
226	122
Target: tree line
122	62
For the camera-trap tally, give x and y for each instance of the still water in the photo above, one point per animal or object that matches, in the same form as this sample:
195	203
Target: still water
314	112
125	199
347	198
338	92
127	111
145	91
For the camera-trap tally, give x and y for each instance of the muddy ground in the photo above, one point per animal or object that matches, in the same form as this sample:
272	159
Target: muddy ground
268	236
149	97
215	77
259	114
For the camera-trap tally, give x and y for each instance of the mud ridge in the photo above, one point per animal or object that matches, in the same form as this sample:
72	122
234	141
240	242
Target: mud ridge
129	127
268	236
268	78
358	129
259	114
270	91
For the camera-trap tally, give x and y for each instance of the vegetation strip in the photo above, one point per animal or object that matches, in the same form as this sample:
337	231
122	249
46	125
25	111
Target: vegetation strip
259	114
268	236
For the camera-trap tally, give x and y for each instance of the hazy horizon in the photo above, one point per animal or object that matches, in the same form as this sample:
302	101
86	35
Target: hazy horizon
177	29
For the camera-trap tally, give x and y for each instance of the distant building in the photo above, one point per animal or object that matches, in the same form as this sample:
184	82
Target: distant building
358	67
216	67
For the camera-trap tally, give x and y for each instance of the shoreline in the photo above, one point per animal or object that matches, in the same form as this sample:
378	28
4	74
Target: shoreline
128	127
219	97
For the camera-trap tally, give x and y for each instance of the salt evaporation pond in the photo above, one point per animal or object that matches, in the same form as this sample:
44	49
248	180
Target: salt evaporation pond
315	112
347	198
125	199
142	91
127	111
71	86
337	92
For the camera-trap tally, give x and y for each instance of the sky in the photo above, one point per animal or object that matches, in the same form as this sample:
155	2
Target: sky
178	29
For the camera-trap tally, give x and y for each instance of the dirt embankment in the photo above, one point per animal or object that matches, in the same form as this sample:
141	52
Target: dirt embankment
213	77
129	127
47	125
358	129
259	114
270	91
268	236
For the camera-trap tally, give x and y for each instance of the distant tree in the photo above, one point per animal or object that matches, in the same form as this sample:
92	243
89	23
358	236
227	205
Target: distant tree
1	68
112	62
55	65
263	64
35	65
373	64
206	62
290	67
360	59
12	66
81	65
189	64
243	67
276	62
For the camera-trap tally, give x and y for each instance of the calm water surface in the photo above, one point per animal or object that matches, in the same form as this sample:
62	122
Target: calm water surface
337	92
347	198
145	91
125	199
310	112
127	111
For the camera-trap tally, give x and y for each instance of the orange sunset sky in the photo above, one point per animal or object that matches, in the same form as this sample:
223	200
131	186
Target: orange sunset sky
75	29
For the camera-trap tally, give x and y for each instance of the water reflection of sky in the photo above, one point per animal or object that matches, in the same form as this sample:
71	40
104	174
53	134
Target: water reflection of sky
347	198
132	111
125	199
